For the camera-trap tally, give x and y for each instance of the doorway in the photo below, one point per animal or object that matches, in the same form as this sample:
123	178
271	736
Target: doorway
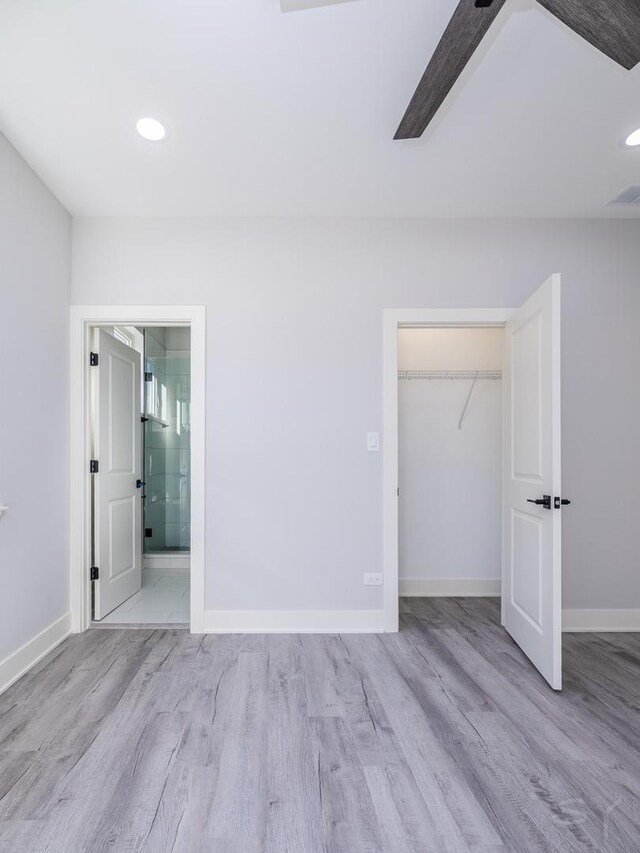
141	509
450	461
530	530
137	471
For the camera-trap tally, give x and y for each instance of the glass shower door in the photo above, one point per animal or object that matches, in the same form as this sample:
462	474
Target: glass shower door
167	468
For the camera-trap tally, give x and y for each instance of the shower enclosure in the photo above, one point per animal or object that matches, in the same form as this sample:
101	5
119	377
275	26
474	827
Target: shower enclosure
167	503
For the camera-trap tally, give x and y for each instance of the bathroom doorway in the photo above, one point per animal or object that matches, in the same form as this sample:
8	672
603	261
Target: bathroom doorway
148	580
137	478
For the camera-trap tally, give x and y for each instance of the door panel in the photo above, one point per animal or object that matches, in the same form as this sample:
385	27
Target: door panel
118	449
531	597
526	566
122	526
120	438
526	358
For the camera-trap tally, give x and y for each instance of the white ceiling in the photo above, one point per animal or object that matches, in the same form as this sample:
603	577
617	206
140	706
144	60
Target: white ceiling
294	114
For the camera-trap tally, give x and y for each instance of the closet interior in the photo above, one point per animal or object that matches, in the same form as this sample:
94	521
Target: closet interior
450	460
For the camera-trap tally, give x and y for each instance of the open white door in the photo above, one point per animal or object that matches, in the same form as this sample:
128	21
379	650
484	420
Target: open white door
117	507
531	583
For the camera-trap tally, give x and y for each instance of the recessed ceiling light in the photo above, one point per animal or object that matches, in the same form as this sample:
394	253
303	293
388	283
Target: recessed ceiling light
634	138
151	129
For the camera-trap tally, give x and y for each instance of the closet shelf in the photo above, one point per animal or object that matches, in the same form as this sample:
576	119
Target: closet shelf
469	375
450	374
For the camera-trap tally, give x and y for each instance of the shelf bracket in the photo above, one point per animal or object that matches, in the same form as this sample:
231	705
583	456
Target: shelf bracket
464	411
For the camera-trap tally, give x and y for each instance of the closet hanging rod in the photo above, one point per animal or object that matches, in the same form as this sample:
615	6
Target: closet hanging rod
450	374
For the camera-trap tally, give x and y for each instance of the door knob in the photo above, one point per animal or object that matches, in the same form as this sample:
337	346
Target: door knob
140	484
544	501
558	502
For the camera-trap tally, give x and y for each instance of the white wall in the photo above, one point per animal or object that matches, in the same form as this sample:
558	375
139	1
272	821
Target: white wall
450	349
35	256
450	478
294	365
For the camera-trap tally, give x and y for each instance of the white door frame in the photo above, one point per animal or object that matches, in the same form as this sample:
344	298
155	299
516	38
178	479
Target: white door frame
83	318
394	319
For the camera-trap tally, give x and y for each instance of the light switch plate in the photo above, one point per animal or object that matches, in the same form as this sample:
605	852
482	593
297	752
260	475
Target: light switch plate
372	579
373	441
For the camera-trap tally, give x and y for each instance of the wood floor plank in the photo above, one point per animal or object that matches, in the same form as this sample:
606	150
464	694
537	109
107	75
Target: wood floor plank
239	810
349	815
134	804
295	811
187	802
458	819
405	821
493	788
81	798
319	652
440	738
19	835
374	744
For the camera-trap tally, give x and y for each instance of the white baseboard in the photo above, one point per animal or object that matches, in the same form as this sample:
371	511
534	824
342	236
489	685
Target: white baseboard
574	621
20	661
162	561
449	587
153	573
294	621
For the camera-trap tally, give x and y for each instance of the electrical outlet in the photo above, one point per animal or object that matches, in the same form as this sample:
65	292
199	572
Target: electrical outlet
372	580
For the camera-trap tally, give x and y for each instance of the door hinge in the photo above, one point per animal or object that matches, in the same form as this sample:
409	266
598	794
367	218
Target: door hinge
148	376
93	466
94	573
93	359
143	419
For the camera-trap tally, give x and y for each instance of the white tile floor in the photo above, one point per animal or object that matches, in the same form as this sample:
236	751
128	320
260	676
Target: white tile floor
164	598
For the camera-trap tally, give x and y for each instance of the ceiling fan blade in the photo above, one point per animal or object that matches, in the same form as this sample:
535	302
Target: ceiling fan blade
466	29
613	26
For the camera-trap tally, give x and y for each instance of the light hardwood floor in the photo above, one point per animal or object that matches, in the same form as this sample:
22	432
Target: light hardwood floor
440	738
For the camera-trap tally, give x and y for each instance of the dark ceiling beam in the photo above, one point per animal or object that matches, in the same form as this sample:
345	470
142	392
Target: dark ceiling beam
468	26
611	26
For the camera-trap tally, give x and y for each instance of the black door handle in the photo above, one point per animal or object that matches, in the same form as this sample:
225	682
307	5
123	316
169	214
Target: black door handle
558	502
544	501
140	484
